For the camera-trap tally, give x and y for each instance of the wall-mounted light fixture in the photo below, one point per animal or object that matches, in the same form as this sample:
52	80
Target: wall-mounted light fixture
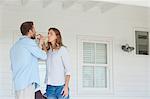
127	48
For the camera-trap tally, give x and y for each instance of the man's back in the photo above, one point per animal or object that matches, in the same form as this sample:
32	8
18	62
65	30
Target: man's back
19	55
24	62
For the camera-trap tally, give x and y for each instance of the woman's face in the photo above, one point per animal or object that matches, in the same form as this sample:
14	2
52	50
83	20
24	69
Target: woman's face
51	36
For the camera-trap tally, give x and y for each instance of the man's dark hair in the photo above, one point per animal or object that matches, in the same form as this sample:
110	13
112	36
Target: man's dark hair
25	27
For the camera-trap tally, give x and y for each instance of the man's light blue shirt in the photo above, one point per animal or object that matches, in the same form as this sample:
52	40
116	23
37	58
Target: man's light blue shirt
24	56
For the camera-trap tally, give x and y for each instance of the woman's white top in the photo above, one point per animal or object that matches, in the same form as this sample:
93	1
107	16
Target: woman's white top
58	66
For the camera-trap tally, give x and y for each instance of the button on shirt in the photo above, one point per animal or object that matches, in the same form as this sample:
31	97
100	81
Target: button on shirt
58	66
24	56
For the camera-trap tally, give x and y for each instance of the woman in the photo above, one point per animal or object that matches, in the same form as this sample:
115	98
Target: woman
58	67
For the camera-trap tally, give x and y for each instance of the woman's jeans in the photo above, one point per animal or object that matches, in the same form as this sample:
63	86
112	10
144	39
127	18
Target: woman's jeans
55	92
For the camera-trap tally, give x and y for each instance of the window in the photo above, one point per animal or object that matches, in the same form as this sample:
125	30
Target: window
142	42
94	65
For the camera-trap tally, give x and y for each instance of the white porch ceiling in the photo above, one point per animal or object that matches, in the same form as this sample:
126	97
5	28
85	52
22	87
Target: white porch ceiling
103	5
144	3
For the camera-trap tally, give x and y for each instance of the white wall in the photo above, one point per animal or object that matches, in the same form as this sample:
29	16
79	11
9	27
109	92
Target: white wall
149	57
5	75
130	71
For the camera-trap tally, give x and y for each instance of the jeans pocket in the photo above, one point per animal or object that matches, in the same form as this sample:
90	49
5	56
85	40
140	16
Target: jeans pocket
50	90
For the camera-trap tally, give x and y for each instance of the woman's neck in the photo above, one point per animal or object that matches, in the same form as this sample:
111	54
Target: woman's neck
54	46
53	43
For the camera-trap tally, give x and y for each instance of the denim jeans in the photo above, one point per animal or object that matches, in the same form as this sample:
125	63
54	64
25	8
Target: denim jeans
55	92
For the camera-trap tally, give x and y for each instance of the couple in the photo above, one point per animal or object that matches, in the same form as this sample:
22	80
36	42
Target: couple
24	56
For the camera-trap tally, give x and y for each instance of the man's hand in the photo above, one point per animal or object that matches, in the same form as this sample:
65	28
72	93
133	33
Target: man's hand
38	36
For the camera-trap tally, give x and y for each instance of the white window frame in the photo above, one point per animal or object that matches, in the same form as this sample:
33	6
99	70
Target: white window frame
95	91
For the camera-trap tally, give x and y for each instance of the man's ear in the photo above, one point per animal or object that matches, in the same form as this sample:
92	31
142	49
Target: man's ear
30	31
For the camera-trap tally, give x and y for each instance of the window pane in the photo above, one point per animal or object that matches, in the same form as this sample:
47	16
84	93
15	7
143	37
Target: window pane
88	76
142	42
100	77
88	52
101	53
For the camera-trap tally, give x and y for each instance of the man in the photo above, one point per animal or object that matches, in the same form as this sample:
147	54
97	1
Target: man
24	56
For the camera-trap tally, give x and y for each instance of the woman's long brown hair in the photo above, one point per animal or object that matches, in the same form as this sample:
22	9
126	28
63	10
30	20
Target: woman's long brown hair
58	40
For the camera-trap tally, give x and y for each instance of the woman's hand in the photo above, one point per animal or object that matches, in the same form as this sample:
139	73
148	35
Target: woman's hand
44	47
42	39
65	92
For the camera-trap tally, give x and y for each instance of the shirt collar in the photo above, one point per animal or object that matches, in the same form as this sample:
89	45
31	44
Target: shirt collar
23	36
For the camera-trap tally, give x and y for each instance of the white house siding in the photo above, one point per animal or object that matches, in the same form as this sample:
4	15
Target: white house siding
130	71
